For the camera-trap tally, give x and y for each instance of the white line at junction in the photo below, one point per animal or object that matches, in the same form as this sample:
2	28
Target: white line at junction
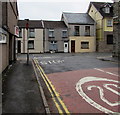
106	72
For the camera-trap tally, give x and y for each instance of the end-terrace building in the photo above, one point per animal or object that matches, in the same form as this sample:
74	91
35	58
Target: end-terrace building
82	36
34	39
102	13
8	22
55	36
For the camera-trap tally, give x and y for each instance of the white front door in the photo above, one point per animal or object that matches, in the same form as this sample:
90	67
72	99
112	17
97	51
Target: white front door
66	47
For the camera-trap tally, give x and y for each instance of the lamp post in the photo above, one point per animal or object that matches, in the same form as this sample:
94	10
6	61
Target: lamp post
27	26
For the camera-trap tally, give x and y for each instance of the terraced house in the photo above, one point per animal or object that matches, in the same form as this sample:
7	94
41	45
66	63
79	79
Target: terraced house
102	13
34	39
81	32
55	36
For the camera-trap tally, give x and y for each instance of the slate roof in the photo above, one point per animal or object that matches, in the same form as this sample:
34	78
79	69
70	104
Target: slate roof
100	5
32	23
78	18
54	24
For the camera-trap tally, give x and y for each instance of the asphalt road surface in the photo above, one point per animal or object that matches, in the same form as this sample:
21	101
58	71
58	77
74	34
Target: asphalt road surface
81	83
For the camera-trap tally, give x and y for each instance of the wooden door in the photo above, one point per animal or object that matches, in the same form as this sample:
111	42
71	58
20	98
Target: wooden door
72	46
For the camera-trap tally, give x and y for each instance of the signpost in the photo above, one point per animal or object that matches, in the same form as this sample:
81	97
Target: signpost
27	26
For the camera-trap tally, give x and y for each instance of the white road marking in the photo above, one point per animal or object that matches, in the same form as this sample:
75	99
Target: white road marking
52	62
106	72
102	94
89	100
49	62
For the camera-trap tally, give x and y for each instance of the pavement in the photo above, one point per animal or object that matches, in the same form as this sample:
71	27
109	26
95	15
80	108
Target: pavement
21	93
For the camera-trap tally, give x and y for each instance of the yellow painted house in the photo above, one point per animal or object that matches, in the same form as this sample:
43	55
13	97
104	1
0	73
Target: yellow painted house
102	13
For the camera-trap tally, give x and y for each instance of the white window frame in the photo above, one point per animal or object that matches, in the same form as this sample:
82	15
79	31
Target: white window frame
51	33
29	44
107	10
64	36
3	38
109	23
31	32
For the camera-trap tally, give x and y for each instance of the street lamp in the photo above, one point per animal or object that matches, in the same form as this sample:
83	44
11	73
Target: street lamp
27	26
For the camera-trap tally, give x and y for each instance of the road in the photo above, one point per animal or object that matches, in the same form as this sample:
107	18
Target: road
81	83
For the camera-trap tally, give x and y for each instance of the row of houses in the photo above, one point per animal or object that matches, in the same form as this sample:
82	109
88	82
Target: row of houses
75	32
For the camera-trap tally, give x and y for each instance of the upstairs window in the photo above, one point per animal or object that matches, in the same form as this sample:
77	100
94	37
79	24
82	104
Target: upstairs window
32	33
87	30
77	33
107	10
109	23
51	33
64	33
2	38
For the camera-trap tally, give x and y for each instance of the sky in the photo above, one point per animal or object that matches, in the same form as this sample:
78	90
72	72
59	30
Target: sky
51	9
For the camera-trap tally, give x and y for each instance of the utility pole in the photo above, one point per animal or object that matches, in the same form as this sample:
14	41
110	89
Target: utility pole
27	27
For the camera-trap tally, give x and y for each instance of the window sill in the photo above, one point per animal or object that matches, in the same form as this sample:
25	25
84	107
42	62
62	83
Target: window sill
109	26
31	48
51	37
64	37
31	37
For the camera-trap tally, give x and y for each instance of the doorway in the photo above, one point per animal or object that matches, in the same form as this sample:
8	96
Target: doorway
73	46
66	47
19	46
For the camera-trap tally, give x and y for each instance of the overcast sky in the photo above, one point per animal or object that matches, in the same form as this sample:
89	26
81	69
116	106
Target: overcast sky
51	9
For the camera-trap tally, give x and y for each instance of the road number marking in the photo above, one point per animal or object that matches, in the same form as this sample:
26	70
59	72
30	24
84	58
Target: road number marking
80	91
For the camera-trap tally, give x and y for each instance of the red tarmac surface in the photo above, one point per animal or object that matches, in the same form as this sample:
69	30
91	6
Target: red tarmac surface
65	85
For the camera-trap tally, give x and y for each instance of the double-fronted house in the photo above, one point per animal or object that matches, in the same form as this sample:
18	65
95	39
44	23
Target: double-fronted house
82	36
55	36
34	39
8	22
102	13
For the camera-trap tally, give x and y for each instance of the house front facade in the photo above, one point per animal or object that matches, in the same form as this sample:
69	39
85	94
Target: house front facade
102	13
55	36
81	32
32	39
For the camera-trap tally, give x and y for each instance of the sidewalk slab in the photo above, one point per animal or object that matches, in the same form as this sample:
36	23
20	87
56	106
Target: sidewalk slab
20	90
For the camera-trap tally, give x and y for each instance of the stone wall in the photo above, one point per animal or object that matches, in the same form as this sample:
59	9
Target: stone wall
116	30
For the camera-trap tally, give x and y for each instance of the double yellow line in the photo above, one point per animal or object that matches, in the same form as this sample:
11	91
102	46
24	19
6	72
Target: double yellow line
62	109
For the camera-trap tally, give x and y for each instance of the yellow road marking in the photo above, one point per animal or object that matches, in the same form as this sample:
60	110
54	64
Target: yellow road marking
42	73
